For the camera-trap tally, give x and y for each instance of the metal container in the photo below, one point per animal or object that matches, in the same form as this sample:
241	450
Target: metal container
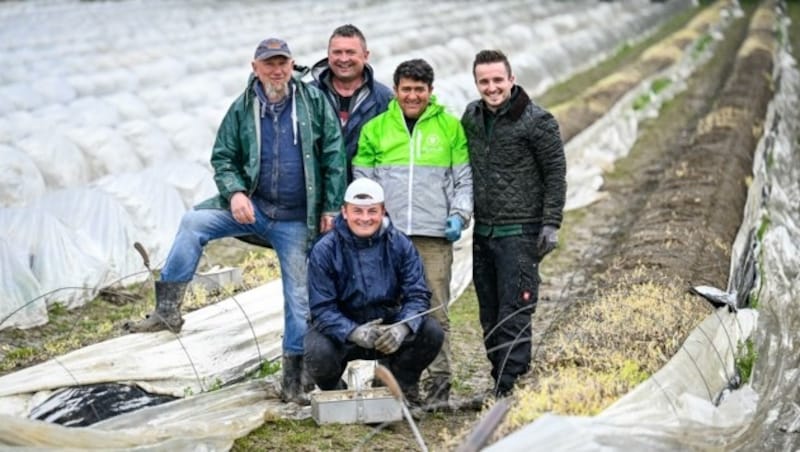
366	406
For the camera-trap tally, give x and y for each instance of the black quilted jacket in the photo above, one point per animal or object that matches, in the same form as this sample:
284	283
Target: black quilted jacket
518	166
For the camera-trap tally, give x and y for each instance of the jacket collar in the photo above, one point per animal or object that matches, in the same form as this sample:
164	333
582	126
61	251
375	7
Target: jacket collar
514	107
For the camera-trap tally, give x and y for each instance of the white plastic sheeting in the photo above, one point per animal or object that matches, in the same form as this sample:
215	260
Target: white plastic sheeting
55	255
161	46
674	409
122	87
77	240
18	285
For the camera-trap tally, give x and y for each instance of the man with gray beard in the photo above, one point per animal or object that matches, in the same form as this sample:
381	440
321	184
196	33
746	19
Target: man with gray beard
279	165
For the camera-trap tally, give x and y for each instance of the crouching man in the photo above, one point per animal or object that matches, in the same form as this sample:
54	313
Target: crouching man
366	293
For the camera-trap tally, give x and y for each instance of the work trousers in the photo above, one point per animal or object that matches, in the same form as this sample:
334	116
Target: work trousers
506	279
437	260
326	359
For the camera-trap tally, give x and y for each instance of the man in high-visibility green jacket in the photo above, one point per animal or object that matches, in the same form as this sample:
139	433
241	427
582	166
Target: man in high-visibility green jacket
418	153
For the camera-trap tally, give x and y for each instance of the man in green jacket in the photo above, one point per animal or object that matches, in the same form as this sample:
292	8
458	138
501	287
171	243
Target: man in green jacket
418	153
279	165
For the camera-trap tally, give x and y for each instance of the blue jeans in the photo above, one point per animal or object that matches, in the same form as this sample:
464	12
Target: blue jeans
288	238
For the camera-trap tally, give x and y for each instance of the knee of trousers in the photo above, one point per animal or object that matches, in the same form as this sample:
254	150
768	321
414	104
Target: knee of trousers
321	355
429	338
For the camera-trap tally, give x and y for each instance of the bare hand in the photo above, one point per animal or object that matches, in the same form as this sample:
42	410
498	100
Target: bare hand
242	209
325	223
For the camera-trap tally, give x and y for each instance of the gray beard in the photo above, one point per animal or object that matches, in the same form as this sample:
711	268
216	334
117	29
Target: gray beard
275	93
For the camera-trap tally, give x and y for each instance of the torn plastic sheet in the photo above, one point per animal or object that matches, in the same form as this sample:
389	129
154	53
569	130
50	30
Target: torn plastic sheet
195	362
208	421
79	406
675	409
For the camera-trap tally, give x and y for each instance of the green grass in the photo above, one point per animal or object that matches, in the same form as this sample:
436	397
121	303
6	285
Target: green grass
762	228
746	357
267	368
641	101
644	99
701	44
660	84
306	435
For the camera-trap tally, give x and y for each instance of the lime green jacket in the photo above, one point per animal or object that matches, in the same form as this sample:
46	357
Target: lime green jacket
426	175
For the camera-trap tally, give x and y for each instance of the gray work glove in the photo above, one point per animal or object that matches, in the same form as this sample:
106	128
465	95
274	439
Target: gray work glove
548	239
365	335
391	338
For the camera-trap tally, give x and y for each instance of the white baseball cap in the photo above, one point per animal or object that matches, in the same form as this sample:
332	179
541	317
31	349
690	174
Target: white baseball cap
363	192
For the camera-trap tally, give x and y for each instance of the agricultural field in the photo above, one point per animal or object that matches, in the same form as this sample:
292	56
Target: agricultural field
615	305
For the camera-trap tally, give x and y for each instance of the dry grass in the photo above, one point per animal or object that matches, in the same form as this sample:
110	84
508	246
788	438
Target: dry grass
604	348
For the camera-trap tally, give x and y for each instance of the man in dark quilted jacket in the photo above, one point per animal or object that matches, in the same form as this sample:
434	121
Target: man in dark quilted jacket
519	185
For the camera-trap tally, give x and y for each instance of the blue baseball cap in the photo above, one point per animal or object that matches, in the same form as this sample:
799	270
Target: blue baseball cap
272	47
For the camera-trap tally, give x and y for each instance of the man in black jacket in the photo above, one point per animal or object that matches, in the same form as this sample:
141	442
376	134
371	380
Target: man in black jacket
519	184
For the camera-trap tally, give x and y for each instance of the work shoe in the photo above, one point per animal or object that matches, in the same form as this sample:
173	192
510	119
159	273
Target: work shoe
167	313
438	390
291	383
411	394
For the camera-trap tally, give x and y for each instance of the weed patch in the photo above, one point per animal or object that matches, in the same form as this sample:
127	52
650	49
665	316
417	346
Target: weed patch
746	356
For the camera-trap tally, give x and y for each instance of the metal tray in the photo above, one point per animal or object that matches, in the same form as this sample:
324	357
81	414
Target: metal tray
366	406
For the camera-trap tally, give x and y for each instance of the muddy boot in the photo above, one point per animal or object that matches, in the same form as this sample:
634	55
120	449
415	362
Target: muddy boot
411	393
307	380
291	384
438	391
167	314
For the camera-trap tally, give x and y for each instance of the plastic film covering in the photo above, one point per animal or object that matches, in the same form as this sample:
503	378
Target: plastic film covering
130	87
162	55
686	405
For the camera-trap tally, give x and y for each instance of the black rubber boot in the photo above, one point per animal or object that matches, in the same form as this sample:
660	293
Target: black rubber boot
167	314
292	385
307	381
438	390
411	393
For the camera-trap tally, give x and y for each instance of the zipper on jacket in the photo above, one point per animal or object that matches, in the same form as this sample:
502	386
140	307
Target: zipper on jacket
412	152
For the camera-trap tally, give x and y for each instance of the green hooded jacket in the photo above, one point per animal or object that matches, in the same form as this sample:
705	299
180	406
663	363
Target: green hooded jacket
236	156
